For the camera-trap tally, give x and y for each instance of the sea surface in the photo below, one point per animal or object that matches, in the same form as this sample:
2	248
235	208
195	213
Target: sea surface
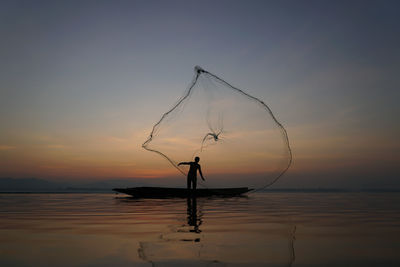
262	229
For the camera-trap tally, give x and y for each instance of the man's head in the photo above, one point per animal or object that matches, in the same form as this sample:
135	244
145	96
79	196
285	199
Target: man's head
197	159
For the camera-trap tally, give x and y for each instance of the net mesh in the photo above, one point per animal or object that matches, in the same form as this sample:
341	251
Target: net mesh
239	140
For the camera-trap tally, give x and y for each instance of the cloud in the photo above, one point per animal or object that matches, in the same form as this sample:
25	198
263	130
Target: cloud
6	147
56	146
114	139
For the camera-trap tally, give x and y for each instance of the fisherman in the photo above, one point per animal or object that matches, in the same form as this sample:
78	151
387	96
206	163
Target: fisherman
192	174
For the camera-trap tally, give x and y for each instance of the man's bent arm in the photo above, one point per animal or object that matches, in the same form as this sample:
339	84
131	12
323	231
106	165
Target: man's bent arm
201	174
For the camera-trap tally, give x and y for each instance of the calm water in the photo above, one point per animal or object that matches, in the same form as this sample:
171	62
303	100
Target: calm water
263	229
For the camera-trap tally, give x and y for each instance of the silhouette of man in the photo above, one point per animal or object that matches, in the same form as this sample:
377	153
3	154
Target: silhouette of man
192	174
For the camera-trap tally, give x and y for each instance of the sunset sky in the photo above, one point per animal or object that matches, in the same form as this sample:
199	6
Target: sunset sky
83	82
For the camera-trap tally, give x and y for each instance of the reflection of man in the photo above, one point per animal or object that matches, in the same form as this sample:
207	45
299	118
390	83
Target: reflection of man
192	174
192	218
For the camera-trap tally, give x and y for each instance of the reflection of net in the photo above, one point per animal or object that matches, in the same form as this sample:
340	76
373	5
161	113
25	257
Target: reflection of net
180	248
238	138
198	242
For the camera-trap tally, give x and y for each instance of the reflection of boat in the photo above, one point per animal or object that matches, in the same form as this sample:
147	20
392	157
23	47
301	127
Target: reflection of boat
154	192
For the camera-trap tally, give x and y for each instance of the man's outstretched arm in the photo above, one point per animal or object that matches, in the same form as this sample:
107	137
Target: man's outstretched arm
183	163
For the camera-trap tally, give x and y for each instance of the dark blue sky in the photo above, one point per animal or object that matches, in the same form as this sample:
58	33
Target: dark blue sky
75	74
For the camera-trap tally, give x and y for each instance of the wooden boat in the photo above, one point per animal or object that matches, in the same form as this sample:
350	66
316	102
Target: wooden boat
156	192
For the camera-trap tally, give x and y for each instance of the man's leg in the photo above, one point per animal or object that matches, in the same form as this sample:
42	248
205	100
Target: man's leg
188	182
194	180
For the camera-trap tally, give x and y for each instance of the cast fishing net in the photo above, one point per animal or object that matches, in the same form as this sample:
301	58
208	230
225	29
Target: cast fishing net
239	140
